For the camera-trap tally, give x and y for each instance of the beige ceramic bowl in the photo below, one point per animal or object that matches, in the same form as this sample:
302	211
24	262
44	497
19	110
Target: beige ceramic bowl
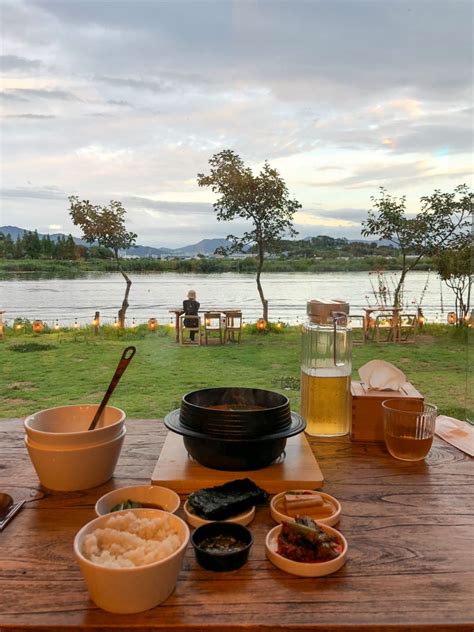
304	569
129	590
194	520
277	508
164	498
67	426
73	469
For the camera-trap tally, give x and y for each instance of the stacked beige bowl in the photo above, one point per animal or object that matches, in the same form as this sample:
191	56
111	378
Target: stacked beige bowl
65	454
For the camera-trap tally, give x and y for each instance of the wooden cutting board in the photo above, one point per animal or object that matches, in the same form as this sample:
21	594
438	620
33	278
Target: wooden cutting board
299	469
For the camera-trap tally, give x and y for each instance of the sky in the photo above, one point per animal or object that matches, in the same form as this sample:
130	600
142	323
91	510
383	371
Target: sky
128	100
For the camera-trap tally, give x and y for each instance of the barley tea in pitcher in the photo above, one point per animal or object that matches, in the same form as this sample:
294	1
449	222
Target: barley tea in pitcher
326	369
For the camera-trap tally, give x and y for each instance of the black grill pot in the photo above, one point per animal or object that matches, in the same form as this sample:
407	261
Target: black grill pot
248	413
221	453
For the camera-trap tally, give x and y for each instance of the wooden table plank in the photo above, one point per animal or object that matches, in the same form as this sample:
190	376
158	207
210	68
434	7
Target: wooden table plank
409	528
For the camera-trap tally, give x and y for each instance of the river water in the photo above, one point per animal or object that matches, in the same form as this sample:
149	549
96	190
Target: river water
153	294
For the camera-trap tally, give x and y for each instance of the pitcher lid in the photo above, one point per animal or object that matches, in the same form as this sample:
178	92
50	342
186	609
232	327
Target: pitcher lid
321	311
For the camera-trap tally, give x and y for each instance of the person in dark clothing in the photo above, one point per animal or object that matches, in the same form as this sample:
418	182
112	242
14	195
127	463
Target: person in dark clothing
191	308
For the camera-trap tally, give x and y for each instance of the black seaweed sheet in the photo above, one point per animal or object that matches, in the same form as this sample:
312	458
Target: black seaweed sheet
225	501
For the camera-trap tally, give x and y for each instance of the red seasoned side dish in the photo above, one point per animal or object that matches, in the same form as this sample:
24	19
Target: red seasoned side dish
305	541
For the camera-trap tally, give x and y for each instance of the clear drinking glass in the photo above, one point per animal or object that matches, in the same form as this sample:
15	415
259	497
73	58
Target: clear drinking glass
409	427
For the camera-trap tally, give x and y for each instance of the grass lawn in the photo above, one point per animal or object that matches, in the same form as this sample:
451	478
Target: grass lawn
76	367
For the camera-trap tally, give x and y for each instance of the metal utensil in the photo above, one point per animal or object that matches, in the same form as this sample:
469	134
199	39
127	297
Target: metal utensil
11	513
127	355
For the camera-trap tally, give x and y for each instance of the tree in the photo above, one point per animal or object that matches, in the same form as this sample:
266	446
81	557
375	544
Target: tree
444	220
262	200
106	226
454	268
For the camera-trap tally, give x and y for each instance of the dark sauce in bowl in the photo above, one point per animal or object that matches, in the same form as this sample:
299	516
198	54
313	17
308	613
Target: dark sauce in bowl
222	544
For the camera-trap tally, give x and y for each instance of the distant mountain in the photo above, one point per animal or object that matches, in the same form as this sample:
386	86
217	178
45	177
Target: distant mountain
16	232
204	247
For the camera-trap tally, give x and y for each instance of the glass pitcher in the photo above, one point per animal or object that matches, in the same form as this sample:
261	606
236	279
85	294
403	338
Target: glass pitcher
326	368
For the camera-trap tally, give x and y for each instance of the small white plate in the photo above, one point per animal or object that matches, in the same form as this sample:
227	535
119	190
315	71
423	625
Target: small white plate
277	508
304	569
243	518
164	498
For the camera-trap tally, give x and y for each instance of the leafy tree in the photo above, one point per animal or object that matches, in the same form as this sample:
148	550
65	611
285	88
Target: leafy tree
106	226
454	268
47	247
262	200
442	222
32	244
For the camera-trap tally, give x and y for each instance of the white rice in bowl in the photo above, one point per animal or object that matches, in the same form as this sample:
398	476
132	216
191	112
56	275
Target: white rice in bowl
128	541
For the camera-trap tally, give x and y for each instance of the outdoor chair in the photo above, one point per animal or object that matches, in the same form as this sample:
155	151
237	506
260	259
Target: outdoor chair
357	322
233	326
213	323
408	327
384	327
194	324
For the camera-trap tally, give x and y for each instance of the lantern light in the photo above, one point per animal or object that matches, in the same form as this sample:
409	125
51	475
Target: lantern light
18	326
115	323
421	318
134	324
261	324
56	324
76	324
38	326
452	318
152	324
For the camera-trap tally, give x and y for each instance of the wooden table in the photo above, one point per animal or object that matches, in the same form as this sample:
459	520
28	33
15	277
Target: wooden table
178	311
410	561
393	314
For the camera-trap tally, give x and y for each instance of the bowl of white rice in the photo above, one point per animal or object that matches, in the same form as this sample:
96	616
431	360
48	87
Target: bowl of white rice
131	559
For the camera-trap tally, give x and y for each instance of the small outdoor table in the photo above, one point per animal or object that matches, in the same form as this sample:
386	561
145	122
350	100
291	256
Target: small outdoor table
177	311
410	561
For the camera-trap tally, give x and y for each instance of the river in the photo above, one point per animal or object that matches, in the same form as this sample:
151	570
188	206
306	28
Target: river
153	294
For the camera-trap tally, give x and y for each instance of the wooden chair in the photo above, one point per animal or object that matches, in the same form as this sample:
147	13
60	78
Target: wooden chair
233	326
194	324
384	327
408	327
357	322
213	323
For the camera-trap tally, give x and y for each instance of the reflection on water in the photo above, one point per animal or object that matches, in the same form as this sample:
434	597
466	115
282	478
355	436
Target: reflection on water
70	295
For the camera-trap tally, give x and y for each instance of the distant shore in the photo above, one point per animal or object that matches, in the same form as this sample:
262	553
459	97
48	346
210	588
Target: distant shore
205	265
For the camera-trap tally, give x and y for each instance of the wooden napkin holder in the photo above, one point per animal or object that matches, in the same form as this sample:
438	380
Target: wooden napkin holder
367	412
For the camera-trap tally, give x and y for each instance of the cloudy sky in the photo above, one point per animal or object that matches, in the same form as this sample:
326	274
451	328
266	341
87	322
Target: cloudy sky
128	100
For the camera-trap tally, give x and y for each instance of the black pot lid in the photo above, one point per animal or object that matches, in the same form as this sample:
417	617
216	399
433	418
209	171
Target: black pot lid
172	422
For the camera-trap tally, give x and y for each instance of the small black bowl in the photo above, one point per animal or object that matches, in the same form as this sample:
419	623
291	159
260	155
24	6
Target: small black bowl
220	561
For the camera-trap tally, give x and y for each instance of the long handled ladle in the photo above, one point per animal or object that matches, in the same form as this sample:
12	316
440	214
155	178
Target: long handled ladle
127	355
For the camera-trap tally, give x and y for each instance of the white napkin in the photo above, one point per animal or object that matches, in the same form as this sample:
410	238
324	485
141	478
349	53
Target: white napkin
460	434
379	375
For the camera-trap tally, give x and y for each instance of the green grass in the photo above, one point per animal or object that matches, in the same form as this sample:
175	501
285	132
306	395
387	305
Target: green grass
76	367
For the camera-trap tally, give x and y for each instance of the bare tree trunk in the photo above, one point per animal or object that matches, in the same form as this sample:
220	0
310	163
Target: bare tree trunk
123	310
259	285
399	288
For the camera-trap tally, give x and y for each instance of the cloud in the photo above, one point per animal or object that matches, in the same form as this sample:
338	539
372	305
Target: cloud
31	116
61	95
140	84
40	193
9	63
144	93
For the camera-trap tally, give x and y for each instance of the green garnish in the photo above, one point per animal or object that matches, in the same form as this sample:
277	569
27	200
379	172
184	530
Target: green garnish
127	504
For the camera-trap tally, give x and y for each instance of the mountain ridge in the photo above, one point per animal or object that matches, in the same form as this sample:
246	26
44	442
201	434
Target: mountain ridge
202	247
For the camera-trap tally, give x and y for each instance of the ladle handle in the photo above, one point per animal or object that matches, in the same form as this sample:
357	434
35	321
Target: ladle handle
127	355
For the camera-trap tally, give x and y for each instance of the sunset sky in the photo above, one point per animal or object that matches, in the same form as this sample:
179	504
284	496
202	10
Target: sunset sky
128	100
